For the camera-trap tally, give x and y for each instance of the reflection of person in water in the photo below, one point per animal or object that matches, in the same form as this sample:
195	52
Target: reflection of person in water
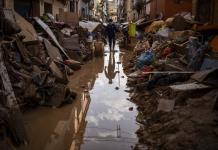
109	70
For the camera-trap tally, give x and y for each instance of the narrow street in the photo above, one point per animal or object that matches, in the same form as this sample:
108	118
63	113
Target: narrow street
100	118
108	75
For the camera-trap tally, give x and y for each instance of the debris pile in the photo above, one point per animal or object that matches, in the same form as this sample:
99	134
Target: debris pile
172	77
36	59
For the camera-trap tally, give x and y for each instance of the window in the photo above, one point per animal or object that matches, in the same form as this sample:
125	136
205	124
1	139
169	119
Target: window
47	8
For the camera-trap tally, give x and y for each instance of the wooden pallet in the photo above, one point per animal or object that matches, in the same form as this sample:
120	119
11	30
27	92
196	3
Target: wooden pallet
12	104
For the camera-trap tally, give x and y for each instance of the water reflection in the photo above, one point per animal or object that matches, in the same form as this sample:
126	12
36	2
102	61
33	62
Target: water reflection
75	126
110	123
109	70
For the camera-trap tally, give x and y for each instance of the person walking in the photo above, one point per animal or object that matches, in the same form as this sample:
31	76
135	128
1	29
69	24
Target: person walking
111	34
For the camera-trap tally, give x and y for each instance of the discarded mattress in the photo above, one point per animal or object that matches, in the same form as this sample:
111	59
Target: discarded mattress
90	25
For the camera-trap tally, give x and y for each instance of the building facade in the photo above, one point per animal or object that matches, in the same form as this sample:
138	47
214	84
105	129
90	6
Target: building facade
112	9
84	8
37	7
33	8
129	13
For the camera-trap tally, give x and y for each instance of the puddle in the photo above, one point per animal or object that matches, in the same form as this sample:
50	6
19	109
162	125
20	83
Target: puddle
110	119
100	118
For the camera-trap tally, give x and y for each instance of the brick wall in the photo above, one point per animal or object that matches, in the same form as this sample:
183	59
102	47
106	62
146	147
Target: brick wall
172	7
156	7
169	7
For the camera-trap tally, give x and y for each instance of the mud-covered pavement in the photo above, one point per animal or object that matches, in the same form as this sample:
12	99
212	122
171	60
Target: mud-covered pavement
100	118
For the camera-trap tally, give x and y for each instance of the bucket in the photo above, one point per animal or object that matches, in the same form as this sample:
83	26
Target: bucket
99	48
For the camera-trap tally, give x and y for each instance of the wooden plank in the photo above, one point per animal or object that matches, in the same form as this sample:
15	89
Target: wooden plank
23	51
11	99
189	87
56	71
12	104
52	51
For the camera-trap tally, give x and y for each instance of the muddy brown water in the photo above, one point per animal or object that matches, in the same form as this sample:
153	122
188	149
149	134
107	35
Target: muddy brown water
99	119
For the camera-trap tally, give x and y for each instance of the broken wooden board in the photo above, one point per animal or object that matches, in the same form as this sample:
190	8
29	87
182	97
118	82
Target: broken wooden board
174	67
166	105
52	51
23	51
189	87
51	34
12	103
56	71
11	99
27	29
202	75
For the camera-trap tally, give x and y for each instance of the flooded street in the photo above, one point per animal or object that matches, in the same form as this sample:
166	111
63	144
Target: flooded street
100	118
63	88
110	123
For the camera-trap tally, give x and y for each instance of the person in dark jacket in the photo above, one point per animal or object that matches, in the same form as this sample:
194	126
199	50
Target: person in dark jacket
111	34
